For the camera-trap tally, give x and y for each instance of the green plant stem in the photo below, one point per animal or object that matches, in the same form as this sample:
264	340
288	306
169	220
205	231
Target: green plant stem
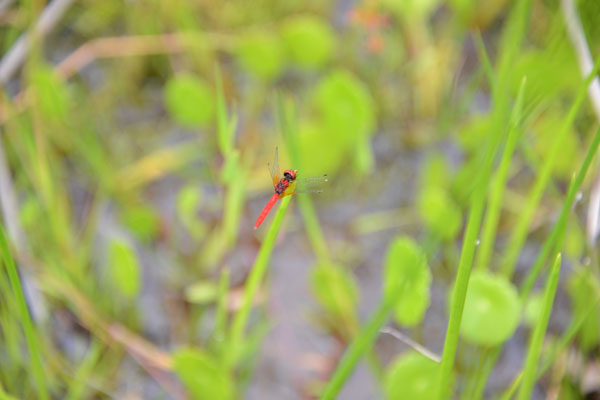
553	241
465	264
566	338
492	217
559	227
519	234
537	337
254	279
460	291
509	47
557	235
359	345
30	333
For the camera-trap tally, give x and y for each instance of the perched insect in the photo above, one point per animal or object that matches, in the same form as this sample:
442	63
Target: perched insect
286	185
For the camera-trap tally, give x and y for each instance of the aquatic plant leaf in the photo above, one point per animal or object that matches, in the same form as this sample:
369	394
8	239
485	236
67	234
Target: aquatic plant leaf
124	268
411	376
492	310
407	280
202	375
189	100
309	41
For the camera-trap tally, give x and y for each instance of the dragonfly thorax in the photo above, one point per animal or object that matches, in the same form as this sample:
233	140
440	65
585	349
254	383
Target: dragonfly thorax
281	186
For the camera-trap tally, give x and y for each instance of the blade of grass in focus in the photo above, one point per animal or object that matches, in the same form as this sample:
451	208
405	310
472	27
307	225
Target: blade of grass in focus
492	217
538	334
30	333
519	234
557	235
511	42
560	347
553	240
259	268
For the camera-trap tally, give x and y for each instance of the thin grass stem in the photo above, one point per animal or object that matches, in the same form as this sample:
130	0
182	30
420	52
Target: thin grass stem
538	334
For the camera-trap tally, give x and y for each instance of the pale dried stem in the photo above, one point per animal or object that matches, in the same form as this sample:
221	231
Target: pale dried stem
409	342
15	57
586	65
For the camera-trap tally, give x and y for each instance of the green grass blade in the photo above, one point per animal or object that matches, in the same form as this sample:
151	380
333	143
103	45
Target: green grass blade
254	280
490	225
537	336
30	333
556	236
460	289
361	343
553	241
519	234
562	344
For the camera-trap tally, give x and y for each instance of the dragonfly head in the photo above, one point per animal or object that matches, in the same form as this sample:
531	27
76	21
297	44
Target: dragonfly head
290	174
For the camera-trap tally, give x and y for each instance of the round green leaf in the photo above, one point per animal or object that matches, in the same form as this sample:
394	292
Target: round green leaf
124	268
189	101
344	118
202	375
407	280
439	212
337	292
261	55
492	310
344	105
309	41
411	376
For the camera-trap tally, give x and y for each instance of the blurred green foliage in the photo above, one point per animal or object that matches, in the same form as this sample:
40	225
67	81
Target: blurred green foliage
124	268
337	292
202	375
310	41
492	310
411	376
159	128
190	101
407	279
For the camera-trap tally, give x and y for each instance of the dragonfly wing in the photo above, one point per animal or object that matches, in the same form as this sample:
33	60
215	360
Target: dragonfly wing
274	168
307	185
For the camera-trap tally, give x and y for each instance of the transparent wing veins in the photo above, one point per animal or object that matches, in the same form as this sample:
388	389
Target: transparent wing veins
274	168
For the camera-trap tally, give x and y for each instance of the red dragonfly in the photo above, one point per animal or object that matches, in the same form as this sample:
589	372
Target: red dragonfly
286	185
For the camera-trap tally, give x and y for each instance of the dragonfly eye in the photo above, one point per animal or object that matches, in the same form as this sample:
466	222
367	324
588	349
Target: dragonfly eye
289	175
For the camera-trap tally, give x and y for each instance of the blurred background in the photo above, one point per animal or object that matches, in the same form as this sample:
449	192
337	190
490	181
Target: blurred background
134	142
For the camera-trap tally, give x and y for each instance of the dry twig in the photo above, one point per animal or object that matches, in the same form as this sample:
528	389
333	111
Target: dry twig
586	65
